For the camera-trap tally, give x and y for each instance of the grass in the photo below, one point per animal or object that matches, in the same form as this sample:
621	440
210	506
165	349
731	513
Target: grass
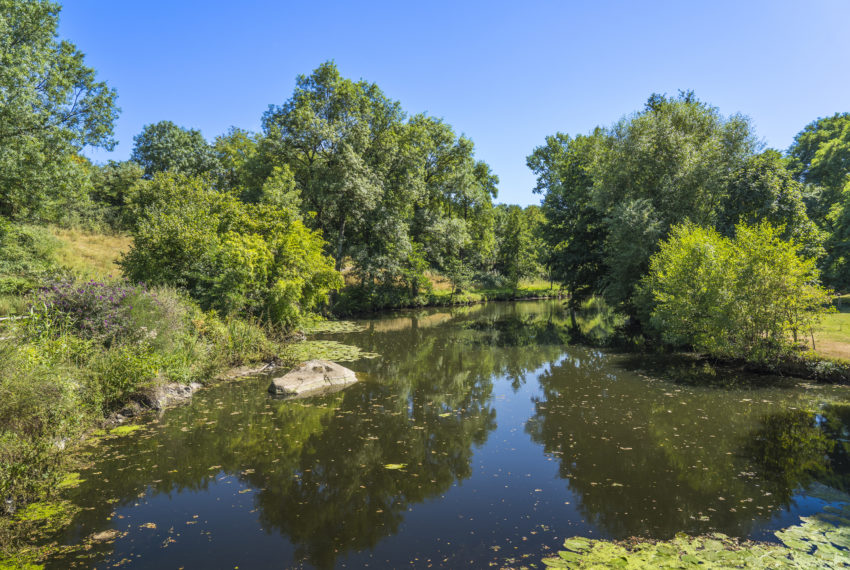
441	284
832	336
90	255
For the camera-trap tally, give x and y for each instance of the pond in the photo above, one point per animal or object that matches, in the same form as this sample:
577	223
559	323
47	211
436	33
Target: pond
478	436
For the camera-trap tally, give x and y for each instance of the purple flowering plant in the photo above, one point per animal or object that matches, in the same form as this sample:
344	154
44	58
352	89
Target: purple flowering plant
94	309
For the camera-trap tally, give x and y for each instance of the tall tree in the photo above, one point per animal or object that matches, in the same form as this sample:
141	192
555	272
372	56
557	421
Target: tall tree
337	135
762	189
820	156
452	195
574	231
165	147
665	165
51	106
390	195
515	258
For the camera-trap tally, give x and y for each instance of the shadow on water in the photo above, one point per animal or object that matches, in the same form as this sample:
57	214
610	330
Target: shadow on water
412	463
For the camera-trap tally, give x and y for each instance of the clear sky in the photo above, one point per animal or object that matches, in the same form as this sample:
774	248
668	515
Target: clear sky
504	73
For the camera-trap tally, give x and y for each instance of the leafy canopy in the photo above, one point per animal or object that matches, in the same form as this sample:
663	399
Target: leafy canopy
229	256
165	147
51	106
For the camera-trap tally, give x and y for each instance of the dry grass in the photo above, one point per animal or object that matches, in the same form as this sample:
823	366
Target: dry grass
90	255
440	283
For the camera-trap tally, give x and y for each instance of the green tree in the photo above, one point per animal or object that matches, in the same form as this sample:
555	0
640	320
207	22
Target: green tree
762	189
516	256
836	265
748	297
611	196
574	230
228	255
820	156
165	147
242	165
337	136
819	152
51	106
670	163
385	191
112	183
450	191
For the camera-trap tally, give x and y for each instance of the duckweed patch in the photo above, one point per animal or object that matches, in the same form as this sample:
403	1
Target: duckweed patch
332	327
52	513
124	430
821	541
70	481
328	350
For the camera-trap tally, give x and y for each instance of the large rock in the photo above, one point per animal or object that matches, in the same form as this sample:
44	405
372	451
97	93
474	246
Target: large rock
312	378
172	394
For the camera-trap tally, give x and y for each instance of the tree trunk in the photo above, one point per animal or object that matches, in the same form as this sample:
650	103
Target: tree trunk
339	243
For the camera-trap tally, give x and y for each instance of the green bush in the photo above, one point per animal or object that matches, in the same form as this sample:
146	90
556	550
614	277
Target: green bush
121	371
236	341
27	257
45	402
59	375
743	298
227	255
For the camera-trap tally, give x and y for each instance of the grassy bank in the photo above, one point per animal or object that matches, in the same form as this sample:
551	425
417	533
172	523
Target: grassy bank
832	336
89	255
88	349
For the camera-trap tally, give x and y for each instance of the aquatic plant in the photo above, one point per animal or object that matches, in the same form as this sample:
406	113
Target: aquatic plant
820	541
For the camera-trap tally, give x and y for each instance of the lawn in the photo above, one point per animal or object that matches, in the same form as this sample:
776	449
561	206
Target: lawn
832	336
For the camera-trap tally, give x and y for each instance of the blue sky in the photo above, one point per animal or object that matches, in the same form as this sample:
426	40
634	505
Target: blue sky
504	73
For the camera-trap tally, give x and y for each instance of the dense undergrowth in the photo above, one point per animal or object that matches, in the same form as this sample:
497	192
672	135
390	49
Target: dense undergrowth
85	350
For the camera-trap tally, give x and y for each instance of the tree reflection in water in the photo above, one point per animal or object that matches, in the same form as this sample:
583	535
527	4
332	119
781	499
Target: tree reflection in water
337	476
651	458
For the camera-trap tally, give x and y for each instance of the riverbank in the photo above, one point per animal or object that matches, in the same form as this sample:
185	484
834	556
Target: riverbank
86	351
354	304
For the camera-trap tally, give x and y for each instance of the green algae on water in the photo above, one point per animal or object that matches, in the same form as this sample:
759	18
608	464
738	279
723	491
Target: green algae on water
328	350
50	513
70	480
333	327
124	430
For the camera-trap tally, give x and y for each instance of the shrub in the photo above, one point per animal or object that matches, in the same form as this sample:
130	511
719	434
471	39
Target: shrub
235	341
94	310
27	257
227	255
44	402
121	371
748	297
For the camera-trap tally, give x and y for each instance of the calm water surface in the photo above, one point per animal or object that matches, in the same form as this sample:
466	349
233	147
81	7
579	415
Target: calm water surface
477	437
